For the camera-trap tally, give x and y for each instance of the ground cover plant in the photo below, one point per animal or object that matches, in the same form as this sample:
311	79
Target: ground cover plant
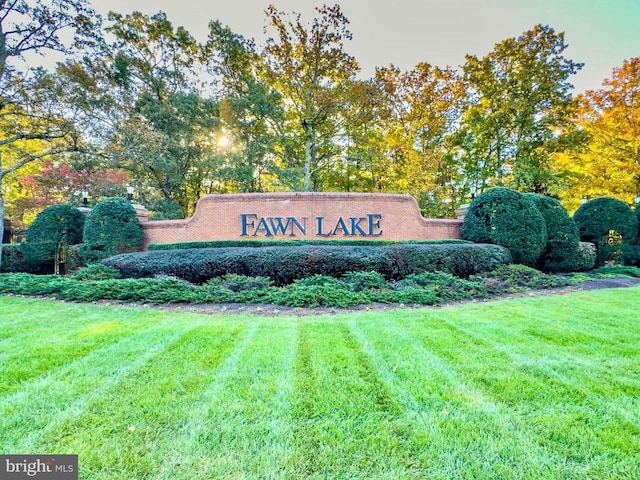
527	388
99	282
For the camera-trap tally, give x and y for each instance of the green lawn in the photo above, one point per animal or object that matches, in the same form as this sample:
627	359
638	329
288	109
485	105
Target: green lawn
541	387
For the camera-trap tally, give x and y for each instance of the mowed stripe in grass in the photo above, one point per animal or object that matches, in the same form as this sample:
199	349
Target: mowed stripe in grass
525	388
239	427
52	341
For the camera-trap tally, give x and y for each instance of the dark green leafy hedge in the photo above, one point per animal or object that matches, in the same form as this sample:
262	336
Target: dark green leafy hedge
54	229
505	217
112	227
561	250
612	226
13	260
284	265
289	243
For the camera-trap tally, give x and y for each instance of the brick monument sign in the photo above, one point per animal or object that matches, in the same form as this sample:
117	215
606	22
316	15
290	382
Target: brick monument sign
253	216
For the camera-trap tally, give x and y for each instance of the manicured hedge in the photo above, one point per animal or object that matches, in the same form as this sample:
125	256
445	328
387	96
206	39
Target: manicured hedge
505	217
13	260
55	228
290	243
112	227
612	226
561	251
286	264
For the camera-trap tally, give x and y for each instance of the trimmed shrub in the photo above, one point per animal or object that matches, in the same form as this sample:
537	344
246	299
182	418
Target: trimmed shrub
612	226
447	286
516	278
111	228
14	261
284	265
359	281
561	251
237	283
30	284
12	258
407	294
505	217
617	271
51	232
97	271
291	243
316	291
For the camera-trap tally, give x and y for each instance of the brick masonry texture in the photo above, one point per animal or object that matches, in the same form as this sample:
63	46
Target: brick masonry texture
308	215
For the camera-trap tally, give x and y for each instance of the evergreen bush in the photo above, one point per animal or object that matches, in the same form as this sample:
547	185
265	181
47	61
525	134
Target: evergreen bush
505	217
237	283
516	278
317	291
616	271
47	238
13	260
561	251
290	243
284	265
359	281
97	271
612	226
111	228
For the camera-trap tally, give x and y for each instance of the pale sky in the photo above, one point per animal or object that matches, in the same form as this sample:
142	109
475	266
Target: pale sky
600	33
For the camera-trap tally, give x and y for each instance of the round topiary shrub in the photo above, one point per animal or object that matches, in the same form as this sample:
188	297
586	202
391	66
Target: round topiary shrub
561	253
612	226
112	227
51	232
505	217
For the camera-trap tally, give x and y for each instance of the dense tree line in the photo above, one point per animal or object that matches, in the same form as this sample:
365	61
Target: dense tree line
139	100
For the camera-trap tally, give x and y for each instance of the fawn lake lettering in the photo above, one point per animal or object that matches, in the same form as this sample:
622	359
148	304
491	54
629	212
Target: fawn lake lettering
254	225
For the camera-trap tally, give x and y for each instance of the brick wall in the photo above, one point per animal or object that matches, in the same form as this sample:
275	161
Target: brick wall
307	215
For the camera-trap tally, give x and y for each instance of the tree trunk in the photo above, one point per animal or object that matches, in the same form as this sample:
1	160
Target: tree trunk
308	146
56	262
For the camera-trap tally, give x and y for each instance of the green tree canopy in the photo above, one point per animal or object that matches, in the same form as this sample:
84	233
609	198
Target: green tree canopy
31	124
309	66
521	112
